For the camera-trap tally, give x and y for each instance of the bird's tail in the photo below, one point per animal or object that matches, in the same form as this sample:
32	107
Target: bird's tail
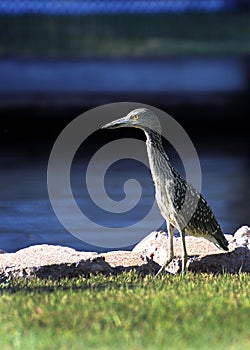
221	241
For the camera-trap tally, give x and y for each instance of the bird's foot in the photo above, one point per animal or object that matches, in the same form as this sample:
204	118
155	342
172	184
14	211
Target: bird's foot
162	269
184	266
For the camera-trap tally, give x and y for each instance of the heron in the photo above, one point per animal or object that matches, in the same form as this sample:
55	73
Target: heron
182	206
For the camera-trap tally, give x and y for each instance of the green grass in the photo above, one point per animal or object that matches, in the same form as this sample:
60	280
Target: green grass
127	312
125	35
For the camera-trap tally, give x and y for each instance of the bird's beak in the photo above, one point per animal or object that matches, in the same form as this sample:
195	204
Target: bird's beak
119	123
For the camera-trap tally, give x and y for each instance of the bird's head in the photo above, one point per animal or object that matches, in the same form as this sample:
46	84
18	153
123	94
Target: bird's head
141	118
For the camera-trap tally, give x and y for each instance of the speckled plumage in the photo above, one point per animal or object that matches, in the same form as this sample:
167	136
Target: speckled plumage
171	192
182	206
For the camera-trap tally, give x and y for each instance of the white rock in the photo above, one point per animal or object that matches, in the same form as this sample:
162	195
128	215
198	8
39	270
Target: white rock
242	236
154	246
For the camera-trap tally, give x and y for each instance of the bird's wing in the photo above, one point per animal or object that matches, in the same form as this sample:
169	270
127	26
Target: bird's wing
204	223
193	209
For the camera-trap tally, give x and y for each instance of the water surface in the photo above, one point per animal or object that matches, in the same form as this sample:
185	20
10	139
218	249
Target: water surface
27	217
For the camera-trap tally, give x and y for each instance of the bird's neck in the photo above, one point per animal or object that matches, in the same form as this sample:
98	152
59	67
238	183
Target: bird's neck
158	159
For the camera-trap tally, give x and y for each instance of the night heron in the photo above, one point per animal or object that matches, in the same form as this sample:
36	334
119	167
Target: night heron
181	205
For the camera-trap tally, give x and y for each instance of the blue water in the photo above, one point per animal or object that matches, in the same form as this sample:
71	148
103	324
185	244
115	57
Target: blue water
27	218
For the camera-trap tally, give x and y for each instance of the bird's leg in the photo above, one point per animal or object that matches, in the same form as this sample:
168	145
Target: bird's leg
184	253
170	229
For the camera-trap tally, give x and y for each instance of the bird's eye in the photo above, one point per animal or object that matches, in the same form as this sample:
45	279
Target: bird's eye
136	117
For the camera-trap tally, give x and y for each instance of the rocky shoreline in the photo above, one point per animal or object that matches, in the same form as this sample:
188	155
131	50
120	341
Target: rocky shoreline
52	261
